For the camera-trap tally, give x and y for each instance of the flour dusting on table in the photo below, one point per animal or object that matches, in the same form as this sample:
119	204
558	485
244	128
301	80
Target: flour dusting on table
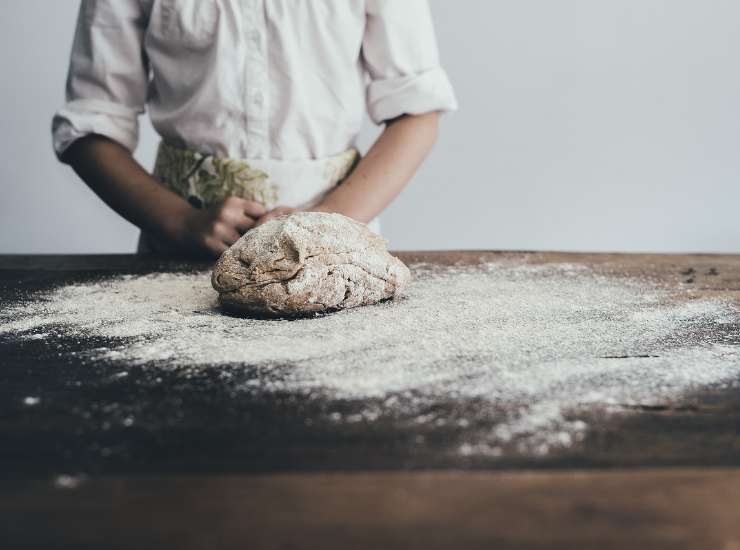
538	344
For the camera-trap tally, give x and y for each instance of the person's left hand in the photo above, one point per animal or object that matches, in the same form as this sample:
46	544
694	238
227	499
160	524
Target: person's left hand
275	213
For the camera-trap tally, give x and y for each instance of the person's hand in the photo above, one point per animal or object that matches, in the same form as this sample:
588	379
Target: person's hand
213	230
274	213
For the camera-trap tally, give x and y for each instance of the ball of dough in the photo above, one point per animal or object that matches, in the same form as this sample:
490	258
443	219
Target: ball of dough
305	263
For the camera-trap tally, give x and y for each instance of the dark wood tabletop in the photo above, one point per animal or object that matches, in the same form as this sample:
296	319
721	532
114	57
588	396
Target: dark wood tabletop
230	472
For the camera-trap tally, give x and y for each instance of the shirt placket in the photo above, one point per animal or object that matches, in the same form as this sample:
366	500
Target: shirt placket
255	79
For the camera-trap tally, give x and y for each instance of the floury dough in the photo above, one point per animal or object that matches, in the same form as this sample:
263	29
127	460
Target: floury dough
308	262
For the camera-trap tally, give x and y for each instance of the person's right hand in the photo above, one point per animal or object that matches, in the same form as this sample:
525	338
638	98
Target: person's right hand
213	230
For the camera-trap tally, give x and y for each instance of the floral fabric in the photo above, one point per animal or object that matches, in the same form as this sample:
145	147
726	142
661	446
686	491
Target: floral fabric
205	180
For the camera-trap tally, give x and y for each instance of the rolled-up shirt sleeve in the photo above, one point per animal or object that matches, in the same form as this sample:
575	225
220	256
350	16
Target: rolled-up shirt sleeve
108	75
402	60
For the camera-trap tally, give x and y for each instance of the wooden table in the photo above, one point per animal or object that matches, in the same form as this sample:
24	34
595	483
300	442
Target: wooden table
232	474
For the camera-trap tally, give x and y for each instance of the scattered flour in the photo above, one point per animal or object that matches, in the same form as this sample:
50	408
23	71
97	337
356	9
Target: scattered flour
538	344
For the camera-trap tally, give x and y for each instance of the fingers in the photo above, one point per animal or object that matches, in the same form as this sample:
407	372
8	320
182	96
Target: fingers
238	220
213	230
215	247
224	224
239	213
219	237
226	232
254	209
245	224
250	208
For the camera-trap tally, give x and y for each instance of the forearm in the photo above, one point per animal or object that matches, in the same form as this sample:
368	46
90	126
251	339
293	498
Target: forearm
113	174
386	169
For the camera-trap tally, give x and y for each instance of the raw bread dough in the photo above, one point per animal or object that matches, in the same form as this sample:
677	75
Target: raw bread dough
308	262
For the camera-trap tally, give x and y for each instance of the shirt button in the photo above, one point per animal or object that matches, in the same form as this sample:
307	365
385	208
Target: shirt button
256	38
259	99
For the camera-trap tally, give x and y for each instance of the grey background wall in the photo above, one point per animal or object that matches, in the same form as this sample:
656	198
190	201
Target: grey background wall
585	125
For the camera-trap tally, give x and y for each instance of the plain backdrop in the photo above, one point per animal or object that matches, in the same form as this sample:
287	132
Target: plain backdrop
584	125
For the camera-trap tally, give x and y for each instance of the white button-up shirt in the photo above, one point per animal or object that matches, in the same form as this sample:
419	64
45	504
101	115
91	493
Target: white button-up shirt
277	79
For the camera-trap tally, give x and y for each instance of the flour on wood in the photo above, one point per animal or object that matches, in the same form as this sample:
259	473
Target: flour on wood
308	262
530	353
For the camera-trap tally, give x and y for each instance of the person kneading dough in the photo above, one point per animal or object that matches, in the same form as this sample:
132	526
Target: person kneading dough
258	104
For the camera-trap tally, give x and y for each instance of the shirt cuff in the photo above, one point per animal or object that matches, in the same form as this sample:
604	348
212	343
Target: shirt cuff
81	118
417	94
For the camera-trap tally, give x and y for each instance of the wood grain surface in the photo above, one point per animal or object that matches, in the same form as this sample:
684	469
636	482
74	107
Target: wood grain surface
650	509
234	474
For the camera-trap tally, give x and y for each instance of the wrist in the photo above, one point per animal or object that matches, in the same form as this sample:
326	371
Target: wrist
177	223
